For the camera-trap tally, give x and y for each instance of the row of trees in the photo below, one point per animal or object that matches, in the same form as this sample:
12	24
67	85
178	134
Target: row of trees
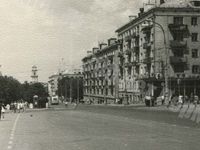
12	90
71	88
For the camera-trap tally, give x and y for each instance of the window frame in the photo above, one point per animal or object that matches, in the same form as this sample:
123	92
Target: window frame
195	70
178	20
194	23
194	38
179	68
197	53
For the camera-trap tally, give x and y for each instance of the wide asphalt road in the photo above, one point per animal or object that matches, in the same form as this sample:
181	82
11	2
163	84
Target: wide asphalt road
98	128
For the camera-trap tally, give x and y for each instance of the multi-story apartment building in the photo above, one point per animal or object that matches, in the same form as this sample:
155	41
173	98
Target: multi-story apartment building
53	85
161	45
100	70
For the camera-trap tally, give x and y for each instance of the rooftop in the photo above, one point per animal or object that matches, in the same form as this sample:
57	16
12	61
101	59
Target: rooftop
177	3
168	5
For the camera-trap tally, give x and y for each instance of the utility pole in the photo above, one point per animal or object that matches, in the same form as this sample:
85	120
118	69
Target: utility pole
70	90
65	89
78	89
166	59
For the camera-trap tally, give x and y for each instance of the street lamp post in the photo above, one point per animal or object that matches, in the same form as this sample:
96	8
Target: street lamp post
166	59
70	89
78	90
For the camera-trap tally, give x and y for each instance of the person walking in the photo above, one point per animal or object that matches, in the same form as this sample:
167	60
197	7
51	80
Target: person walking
15	107
0	109
18	107
196	99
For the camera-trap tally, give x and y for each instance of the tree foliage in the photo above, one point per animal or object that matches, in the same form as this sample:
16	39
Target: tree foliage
12	90
71	87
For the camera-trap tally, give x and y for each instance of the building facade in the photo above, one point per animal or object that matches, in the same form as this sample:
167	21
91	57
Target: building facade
100	70
160	52
53	85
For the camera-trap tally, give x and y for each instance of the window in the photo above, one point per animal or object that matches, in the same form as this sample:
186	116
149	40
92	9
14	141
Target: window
178	68
195	3
178	36
178	20
178	52
195	69
195	53
129	71
194	37
194	21
106	91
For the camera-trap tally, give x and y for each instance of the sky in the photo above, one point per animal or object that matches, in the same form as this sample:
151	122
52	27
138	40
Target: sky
53	34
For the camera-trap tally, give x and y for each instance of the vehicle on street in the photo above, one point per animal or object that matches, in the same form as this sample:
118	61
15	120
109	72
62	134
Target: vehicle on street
55	100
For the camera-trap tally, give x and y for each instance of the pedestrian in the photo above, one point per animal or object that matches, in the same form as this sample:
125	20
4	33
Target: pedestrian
8	107
66	103
15	107
180	99
163	99
196	99
22	106
191	100
18	107
2	110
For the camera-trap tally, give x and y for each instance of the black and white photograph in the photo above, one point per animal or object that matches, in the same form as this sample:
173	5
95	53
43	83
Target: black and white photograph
99	74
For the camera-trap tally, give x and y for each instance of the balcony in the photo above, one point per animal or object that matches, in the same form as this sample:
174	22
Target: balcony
110	83
100	75
146	45
128	51
128	38
136	60
134	34
110	56
178	27
178	44
178	60
142	76
120	41
128	64
120	54
134	63
147	29
121	63
136	49
147	60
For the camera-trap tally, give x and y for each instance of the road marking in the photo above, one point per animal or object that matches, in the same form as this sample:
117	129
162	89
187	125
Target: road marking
13	132
15	123
10	142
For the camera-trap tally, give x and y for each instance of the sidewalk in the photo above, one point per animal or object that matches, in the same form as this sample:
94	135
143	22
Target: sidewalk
120	105
172	108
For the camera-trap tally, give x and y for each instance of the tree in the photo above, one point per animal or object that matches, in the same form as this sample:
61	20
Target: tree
12	90
68	86
29	90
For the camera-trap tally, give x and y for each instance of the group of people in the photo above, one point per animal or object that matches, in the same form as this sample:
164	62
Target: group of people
180	100
19	106
2	110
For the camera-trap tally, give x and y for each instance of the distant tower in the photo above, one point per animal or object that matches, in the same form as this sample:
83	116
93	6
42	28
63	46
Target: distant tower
34	75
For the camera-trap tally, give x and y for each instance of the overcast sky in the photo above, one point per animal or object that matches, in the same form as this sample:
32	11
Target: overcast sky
43	32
